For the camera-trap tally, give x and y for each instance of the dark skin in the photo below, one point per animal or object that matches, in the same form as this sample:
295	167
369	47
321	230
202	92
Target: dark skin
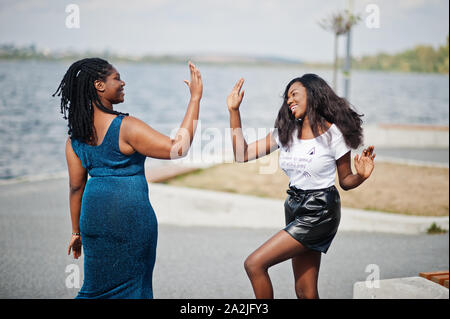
134	136
282	246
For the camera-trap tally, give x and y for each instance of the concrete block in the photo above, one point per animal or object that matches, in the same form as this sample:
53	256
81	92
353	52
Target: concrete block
400	288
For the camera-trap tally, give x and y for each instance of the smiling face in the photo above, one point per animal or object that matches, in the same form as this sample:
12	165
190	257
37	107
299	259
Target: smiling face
296	100
111	90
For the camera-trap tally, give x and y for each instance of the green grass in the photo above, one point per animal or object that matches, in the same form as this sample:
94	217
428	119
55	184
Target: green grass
435	229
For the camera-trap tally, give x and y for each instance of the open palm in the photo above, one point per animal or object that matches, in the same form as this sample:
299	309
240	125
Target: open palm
234	99
364	165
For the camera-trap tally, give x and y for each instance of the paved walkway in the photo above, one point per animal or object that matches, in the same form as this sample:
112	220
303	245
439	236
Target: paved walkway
202	245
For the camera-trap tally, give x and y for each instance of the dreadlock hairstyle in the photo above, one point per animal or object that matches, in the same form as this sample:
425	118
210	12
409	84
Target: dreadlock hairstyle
78	92
322	105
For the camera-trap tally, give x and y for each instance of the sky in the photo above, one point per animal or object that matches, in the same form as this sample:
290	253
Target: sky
281	28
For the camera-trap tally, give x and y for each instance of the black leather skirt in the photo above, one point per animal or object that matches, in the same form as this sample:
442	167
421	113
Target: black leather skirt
313	216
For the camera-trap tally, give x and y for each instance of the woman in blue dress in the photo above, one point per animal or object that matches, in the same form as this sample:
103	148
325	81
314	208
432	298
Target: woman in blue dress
111	214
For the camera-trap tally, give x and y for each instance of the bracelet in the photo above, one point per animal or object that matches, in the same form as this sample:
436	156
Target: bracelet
76	234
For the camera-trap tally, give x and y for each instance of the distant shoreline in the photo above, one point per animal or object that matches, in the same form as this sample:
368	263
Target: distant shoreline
306	65
380	62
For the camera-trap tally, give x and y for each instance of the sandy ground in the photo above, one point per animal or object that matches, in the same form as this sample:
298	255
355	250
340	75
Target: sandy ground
395	188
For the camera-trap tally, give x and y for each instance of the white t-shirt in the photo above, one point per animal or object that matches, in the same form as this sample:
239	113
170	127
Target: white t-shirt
311	164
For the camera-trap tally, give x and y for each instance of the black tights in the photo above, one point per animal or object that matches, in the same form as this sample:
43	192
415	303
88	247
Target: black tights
281	247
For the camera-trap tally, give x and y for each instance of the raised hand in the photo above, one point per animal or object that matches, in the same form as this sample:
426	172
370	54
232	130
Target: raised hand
364	165
234	99
196	84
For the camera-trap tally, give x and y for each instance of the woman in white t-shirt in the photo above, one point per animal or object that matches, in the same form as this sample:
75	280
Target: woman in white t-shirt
315	131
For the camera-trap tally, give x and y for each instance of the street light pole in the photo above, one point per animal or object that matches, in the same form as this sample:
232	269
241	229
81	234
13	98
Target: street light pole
347	65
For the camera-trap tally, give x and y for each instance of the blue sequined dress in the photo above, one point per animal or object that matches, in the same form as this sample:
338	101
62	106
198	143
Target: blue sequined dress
117	222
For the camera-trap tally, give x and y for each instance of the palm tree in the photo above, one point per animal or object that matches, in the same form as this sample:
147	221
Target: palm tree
339	24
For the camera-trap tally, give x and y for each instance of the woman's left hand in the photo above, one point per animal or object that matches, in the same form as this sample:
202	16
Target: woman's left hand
196	83
364	165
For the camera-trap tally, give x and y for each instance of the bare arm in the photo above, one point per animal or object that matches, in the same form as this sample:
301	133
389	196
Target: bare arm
151	143
77	182
364	166
244	152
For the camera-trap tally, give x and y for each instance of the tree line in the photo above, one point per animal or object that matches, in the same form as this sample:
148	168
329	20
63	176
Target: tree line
422	58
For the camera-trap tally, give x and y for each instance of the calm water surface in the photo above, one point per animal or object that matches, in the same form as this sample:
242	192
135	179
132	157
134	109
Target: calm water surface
33	132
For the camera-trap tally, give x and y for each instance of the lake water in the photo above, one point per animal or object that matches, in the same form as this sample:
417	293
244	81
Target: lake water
33	132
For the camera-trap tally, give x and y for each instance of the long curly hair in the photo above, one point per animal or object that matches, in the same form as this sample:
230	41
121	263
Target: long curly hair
78	93
322	105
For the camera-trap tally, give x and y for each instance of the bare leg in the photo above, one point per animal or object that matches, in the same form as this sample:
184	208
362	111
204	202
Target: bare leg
306	272
277	249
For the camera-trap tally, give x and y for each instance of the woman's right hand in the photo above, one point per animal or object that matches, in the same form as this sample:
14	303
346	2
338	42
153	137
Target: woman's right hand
196	84
234	99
